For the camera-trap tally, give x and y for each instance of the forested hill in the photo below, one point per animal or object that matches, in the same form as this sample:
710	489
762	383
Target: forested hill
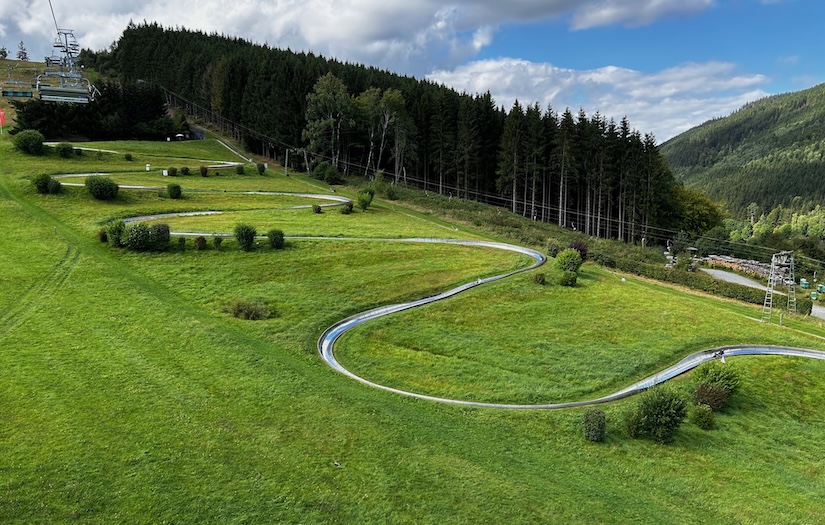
768	152
590	173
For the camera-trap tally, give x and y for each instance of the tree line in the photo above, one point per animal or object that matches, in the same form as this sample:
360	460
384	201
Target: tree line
584	172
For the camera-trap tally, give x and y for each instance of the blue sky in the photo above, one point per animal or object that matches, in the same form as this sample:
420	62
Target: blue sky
667	65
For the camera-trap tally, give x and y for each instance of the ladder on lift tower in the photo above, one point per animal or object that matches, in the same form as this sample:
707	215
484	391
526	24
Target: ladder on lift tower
782	272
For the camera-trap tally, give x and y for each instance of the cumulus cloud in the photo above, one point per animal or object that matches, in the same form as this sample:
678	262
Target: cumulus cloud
412	37
664	103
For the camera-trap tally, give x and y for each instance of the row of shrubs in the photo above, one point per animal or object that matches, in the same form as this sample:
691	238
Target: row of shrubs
173	171
660	411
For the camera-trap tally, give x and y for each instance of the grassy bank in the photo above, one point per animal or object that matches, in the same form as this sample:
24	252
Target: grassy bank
128	395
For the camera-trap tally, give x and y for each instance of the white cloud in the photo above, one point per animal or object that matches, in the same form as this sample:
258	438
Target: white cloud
633	12
411	37
664	103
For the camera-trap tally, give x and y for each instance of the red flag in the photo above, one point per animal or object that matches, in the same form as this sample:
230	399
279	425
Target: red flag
2	117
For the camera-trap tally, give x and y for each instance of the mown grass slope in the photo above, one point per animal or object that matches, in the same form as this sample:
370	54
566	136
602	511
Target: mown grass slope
129	396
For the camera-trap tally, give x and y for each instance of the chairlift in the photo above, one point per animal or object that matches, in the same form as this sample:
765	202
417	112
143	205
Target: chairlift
16	88
62	81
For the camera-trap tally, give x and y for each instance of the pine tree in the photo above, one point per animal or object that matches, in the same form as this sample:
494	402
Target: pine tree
22	54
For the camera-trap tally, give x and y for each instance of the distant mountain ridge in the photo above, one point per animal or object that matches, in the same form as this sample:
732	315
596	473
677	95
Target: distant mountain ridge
768	152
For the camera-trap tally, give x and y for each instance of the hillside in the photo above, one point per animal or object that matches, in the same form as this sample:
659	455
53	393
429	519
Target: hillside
768	152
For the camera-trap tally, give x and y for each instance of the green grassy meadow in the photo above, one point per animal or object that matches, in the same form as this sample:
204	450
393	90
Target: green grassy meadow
128	396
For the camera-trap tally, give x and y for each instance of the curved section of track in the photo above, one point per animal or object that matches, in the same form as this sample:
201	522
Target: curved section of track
326	342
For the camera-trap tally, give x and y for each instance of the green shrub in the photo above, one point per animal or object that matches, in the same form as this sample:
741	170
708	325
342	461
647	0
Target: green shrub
116	230
239	169
217	240
200	243
261	168
346	209
137	237
580	246
184	170
702	416
78	152
102	236
392	192
245	235
65	150
173	190
633	424
661	412
364	200
128	157
182	243
54	186
327	173
569	260
316	208
276	238
159	236
253	310
714	396
568	278
172	171
719	374
594	423
204	171
41	183
539	278
29	141
553	248
604	259
102	188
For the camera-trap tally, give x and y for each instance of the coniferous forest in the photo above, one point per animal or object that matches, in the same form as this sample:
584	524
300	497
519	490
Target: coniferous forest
589	173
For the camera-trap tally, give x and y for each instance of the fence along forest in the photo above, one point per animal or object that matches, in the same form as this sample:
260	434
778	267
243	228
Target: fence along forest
588	173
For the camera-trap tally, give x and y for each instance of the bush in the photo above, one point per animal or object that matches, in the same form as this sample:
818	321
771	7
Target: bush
204	171
65	150
392	192
182	243
116	231
102	188
102	236
702	416
29	141
128	157
184	170
633	423
553	248
245	235
254	310
174	191
78	152
172	171
719	374
200	243
594	424
54	186
581	247
261	168
364	200
276	238
159	236
569	260
239	169
217	240
316	208
661	411
714	396
137	237
539	278
568	278
41	183
346	209
604	259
